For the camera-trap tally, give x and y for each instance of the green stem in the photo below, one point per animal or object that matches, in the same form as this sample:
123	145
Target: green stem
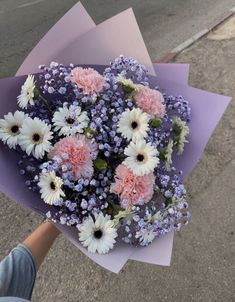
129	95
46	105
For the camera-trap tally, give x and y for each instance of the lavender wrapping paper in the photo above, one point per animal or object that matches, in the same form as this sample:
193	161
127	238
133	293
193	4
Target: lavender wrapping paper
177	72
206	107
117	35
74	23
207	110
160	251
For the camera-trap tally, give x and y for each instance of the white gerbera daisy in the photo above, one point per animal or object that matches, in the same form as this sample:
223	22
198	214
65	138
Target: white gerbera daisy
10	128
133	124
34	137
128	83
27	93
70	120
142	157
98	235
50	187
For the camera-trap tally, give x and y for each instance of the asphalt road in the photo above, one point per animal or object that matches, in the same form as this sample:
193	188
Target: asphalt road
202	267
164	23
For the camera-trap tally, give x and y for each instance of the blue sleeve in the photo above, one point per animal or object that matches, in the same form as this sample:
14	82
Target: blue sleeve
18	273
12	299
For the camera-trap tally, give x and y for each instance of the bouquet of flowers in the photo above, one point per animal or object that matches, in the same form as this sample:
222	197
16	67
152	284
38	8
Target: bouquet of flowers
103	150
98	148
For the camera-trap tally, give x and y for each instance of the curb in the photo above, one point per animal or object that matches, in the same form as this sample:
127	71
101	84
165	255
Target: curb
172	54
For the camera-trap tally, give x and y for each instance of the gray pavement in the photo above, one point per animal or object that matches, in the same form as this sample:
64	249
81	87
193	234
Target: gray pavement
164	23
202	266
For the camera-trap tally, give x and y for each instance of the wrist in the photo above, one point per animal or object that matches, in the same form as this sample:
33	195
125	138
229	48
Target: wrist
51	227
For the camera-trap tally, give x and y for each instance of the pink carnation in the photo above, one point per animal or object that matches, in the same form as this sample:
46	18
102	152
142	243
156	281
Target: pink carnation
78	151
150	101
88	79
131	187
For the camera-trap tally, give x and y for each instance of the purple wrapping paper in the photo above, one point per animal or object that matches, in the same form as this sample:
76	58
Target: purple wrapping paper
206	106
207	110
117	35
66	51
38	56
75	23
178	73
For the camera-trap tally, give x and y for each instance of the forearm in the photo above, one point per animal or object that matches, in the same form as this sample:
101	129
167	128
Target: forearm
40	241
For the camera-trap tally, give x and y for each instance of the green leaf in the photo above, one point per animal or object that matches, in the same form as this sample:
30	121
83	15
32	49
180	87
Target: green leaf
90	131
168	201
127	88
100	164
36	93
176	129
162	154
156	122
112	208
